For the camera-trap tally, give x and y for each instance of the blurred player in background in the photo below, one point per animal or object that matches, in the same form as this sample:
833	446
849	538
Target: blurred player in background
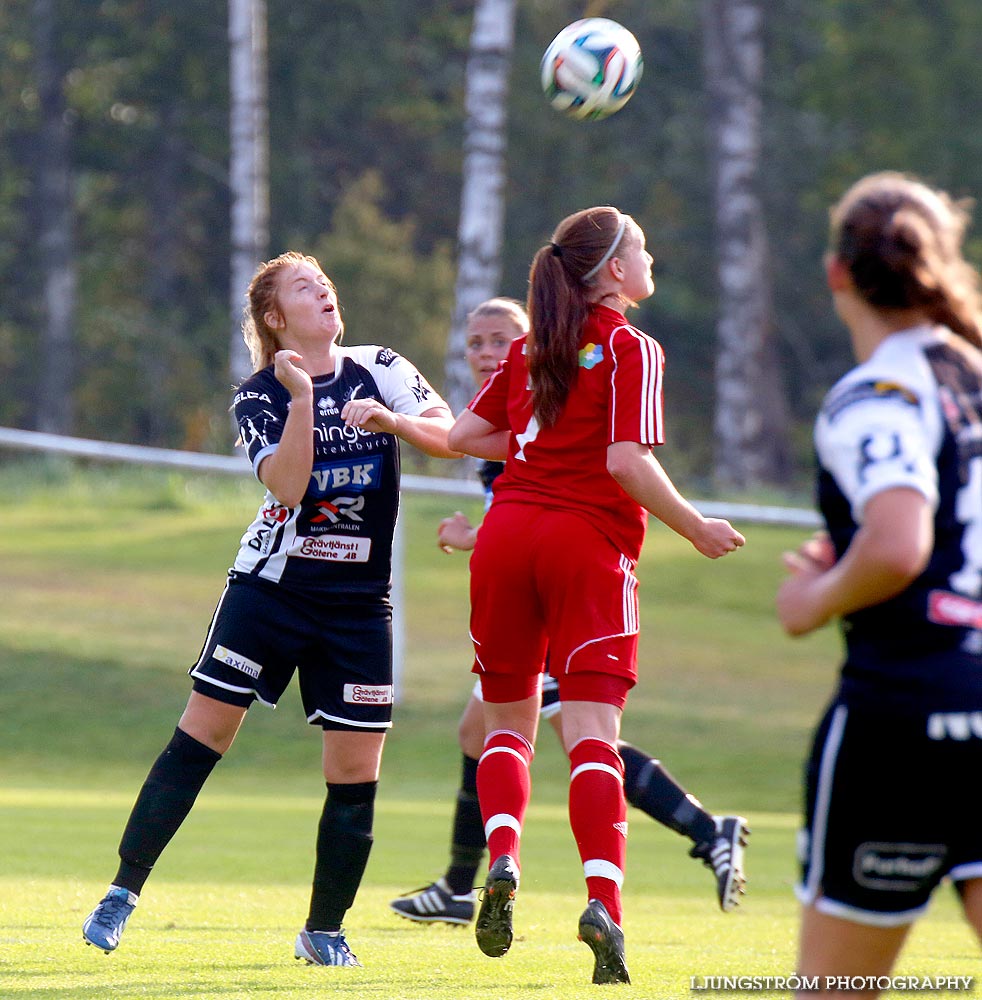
308	591
717	841
574	410
892	803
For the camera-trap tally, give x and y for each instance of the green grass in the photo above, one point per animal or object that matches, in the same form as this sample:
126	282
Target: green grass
108	580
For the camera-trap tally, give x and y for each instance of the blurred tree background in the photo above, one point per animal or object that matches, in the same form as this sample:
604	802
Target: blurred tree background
366	130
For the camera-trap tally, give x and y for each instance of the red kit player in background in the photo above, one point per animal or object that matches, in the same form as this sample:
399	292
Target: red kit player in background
574	411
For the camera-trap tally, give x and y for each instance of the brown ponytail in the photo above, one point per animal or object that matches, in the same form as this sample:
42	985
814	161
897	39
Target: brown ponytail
558	303
902	244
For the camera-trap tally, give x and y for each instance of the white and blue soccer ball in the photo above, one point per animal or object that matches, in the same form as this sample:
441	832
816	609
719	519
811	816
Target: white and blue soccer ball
591	68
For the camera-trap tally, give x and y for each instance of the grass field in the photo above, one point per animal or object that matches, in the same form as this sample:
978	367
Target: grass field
108	580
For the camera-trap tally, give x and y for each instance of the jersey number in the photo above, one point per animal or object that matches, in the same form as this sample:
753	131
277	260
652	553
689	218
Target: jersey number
527	436
968	510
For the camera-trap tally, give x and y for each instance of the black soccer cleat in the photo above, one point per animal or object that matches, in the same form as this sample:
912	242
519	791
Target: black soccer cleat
723	855
436	903
493	928
606	941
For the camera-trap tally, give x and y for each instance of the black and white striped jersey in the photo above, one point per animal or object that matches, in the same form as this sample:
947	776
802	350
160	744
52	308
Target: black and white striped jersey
339	537
911	416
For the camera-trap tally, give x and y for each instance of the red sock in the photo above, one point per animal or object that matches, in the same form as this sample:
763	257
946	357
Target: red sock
597	814
503	788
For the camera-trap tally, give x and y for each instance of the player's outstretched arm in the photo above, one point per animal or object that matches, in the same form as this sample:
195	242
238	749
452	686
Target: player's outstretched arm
641	476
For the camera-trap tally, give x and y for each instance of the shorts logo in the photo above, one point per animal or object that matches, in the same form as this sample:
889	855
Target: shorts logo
368	694
237	661
336	548
897	867
954	725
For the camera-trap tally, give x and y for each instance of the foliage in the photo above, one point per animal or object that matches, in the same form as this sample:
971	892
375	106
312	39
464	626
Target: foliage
366	121
391	293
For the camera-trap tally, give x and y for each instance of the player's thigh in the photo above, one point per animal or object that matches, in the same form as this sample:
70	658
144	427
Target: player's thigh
970	892
589	594
832	946
506	623
346	668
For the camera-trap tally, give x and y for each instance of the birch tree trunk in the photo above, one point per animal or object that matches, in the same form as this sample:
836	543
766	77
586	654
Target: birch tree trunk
249	162
751	420
55	406
482	206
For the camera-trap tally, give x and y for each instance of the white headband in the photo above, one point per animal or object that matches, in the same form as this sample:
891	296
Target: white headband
610	252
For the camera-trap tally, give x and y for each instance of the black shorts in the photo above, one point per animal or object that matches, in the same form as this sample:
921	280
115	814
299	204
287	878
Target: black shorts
341	652
892	808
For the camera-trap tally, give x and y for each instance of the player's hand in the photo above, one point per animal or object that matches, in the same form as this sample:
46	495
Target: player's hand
292	377
817	553
456	532
369	415
716	537
799	597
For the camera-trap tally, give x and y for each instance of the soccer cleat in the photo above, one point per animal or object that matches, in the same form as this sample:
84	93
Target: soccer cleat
606	941
435	903
493	928
324	948
104	926
724	856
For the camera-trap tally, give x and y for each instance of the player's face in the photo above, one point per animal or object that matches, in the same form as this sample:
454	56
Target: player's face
487	343
636	263
307	302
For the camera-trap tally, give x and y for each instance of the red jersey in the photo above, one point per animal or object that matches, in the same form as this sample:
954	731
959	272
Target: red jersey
617	397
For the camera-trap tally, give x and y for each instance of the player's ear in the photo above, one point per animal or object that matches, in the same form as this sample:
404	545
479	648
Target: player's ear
836	273
273	319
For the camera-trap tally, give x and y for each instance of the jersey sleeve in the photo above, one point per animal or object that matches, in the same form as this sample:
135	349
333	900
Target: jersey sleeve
871	436
260	407
636	406
403	388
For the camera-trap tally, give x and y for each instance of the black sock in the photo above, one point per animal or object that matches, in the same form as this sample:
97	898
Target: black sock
650	788
467	841
344	840
162	805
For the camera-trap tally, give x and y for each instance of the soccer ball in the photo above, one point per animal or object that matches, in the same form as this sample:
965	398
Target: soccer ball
591	68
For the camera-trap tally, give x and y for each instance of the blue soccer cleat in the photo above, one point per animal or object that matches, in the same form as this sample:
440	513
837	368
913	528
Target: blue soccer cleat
324	948
104	926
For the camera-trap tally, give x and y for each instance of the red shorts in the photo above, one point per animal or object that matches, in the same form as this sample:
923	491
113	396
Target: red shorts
548	579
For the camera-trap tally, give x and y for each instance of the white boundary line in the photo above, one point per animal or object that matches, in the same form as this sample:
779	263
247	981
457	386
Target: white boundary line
109	451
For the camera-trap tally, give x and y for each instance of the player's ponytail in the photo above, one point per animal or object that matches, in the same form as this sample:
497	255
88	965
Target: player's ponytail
560	281
902	244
